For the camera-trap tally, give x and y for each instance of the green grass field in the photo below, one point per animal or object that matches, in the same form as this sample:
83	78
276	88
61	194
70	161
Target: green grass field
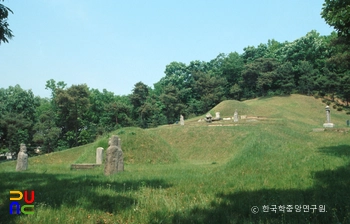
200	174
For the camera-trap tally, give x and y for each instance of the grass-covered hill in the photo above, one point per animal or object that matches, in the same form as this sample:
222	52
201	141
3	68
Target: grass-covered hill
201	173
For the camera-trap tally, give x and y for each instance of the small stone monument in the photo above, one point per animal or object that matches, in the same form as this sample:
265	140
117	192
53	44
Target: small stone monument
22	158
328	123
235	116
208	118
99	155
217	115
114	157
182	122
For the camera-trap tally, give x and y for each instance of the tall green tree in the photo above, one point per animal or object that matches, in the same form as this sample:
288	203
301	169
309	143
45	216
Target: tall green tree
17	116
138	99
173	106
73	103
337	14
5	31
46	132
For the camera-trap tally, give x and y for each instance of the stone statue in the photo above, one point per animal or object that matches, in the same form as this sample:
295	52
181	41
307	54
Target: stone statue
114	157
235	116
22	158
182	121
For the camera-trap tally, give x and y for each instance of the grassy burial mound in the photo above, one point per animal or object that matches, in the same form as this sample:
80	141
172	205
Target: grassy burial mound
201	174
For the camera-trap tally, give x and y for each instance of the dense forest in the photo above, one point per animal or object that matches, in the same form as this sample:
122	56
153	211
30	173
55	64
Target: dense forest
312	65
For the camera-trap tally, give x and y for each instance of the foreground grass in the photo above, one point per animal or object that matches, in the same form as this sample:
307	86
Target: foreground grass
197	174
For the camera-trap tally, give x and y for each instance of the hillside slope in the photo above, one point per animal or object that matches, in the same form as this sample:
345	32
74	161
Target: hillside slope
200	172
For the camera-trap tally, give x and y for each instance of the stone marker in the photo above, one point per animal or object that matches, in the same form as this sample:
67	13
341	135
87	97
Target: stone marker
217	117
22	158
243	117
235	116
328	123
114	157
182	122
208	118
99	155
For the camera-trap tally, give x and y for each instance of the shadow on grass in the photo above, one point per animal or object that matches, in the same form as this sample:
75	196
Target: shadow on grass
90	192
331	188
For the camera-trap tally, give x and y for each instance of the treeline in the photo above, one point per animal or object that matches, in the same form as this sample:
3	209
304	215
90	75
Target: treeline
76	115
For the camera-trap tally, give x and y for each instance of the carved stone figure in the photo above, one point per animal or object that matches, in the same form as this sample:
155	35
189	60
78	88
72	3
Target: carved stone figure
235	116
182	121
114	157
22	158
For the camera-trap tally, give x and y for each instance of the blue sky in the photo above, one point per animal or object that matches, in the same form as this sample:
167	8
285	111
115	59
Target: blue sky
113	44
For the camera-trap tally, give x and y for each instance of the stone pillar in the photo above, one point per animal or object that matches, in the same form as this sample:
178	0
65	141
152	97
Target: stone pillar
22	158
114	156
235	116
99	155
328	123
182	121
328	114
217	115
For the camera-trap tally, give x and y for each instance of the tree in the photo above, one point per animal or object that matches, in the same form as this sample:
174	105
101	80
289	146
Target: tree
312	48
258	77
5	32
251	53
172	101
138	99
232	67
17	115
336	13
285	78
72	105
14	129
209	89
47	134
344	86
306	77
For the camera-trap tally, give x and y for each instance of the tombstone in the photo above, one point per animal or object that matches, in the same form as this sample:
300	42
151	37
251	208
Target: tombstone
243	117
182	122
114	156
235	116
99	155
328	123
22	158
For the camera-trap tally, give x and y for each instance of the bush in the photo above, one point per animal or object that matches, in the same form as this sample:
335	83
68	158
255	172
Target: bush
334	106
339	109
324	100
